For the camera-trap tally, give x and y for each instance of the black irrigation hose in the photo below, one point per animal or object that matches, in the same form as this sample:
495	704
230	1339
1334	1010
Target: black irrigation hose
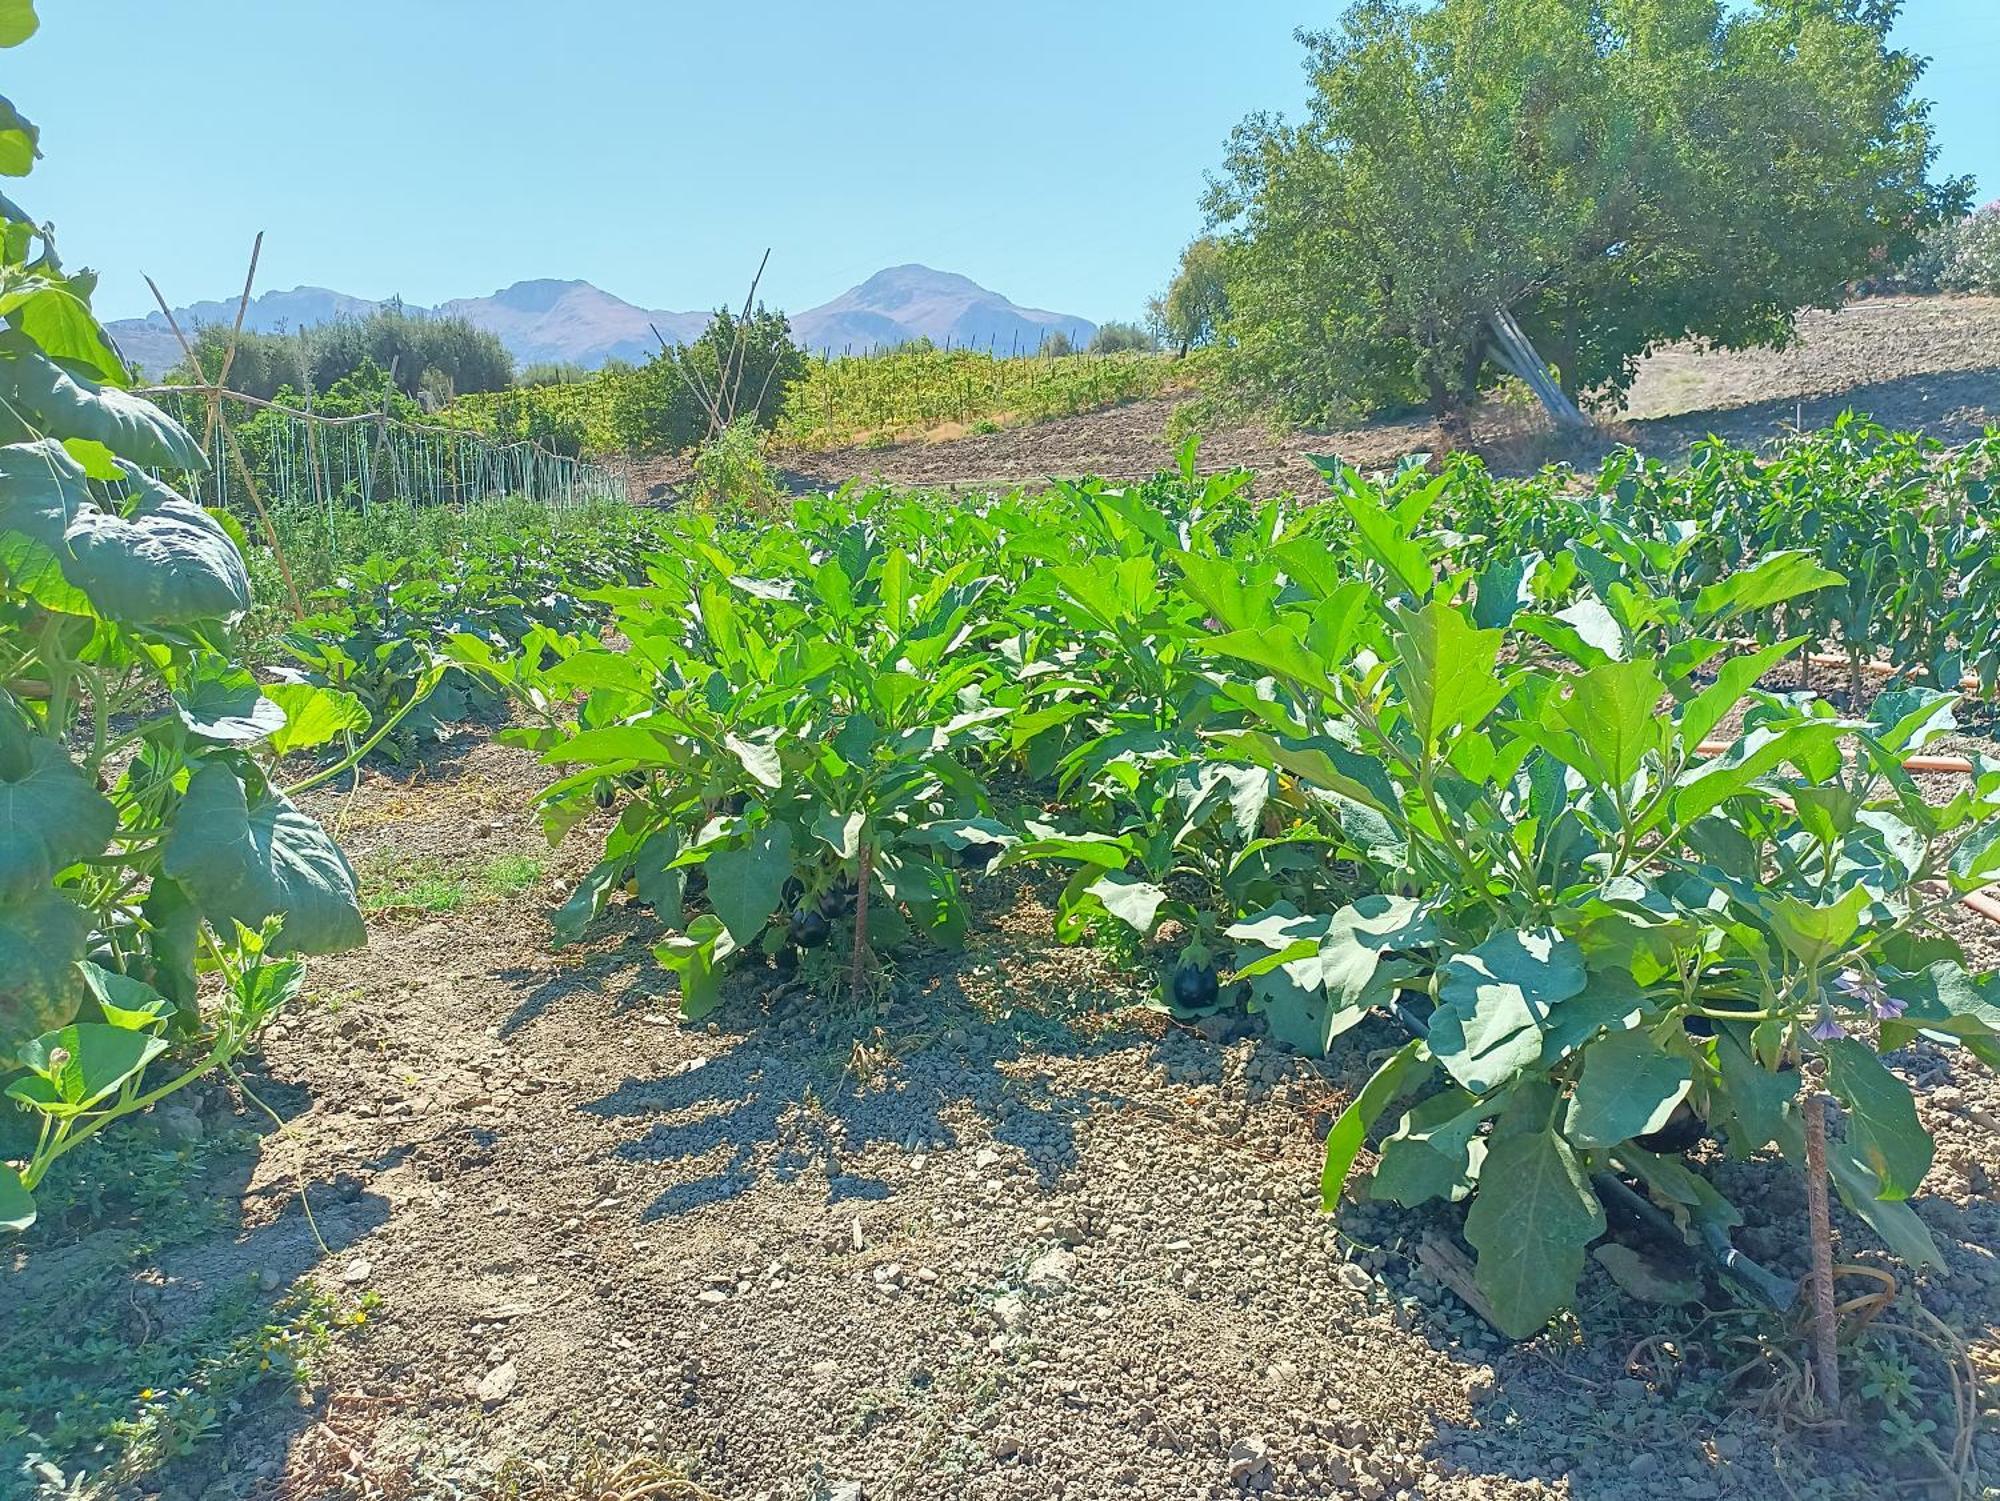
1757	1283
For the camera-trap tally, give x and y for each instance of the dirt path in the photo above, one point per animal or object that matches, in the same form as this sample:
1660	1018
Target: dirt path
1011	1237
1931	364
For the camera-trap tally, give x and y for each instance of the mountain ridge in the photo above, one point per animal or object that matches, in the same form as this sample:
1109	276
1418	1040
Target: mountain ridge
573	321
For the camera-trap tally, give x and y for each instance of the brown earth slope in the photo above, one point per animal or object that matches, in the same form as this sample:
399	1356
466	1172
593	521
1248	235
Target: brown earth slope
1926	363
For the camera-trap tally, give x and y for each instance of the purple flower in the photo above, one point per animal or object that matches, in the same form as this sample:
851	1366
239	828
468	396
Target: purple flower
1827	1028
1865	988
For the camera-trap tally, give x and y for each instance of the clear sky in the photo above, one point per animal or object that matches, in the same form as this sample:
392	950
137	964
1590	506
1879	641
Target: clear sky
1052	150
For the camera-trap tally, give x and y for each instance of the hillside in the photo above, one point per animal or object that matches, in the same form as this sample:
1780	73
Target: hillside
1930	364
577	323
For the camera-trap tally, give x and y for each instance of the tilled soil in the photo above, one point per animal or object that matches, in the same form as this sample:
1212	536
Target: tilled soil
1931	364
1008	1235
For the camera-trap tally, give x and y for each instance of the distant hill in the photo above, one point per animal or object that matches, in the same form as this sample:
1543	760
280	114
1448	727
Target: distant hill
577	323
915	302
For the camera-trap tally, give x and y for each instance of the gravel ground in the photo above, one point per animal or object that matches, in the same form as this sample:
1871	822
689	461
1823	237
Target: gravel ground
1009	1236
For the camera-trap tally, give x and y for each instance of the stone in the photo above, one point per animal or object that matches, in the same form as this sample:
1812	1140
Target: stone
1051	1270
178	1123
357	1271
1355	1277
498	1384
1249	1458
846	1490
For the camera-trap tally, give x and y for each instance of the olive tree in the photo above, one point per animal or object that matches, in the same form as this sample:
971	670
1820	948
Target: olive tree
1551	187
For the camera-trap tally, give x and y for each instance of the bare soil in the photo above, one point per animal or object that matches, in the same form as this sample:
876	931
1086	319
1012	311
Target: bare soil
1006	1234
1926	363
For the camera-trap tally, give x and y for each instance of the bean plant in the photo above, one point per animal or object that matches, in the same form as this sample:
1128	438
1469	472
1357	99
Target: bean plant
156	876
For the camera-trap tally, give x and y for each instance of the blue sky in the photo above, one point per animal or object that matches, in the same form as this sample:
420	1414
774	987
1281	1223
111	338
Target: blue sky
1050	149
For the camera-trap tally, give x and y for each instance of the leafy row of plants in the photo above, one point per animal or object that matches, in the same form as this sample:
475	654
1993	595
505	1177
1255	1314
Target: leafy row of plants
377	628
1324	762
910	390
157	880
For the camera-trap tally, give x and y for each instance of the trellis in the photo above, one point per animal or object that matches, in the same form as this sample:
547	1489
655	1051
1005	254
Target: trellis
297	458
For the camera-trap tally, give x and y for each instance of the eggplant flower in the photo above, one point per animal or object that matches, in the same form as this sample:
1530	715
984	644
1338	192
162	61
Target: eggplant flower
1865	988
1827	1028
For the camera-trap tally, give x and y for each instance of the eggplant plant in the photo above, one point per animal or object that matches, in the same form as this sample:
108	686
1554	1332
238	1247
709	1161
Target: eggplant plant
145	838
1588	922
783	728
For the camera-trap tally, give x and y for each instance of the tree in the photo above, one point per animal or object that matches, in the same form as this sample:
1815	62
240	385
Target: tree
1057	344
1196	301
1557	186
736	371
441	357
1118	337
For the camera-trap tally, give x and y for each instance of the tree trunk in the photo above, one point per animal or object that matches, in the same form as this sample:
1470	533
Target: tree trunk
1518	358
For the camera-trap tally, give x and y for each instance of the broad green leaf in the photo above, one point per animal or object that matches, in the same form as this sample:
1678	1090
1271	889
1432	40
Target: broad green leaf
661	884
1275	650
17	1205
17	22
41	938
124	1001
1628	1087
41	400
1134	902
1494	1001
50	815
840	832
1612	712
245	862
1531	1223
167	563
1753	1106
586	901
1384	538
758	757
1902	1231
1708	785
1813	934
20	142
1733	679
1402	1071
1435	1153
1882	1126
744	884
1947	1001
222	702
314	716
697	957
74	1067
1447	670
1772	580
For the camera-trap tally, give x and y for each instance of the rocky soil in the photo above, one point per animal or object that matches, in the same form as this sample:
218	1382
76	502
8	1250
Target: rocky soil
1008	1235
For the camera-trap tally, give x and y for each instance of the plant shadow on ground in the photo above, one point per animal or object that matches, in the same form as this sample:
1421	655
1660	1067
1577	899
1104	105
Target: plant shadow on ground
786	1100
171	1304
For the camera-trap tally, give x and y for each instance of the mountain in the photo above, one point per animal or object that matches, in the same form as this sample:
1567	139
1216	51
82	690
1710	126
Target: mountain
575	322
915	302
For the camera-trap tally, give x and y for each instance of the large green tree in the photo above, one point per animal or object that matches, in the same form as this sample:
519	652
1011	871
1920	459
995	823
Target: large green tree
1552	187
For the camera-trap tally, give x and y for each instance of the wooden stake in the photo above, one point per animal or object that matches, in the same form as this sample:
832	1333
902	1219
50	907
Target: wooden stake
863	879
219	424
1826	1357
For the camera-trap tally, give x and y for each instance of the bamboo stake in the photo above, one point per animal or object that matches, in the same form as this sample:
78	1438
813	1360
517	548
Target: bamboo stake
218	423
